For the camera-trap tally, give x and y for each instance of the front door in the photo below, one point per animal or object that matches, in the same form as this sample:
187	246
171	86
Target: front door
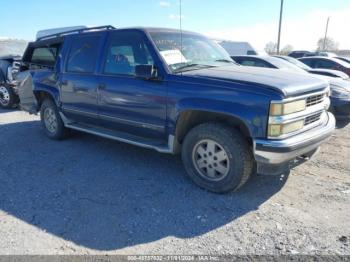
127	103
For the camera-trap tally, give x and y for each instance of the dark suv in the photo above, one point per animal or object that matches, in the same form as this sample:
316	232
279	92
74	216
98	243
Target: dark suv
176	92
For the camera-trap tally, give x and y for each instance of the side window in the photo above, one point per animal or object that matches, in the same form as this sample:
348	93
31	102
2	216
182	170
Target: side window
325	64
260	63
125	51
247	63
45	56
308	62
83	54
254	62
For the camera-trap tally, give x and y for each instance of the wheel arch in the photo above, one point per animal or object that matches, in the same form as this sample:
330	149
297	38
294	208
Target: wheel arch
189	118
45	93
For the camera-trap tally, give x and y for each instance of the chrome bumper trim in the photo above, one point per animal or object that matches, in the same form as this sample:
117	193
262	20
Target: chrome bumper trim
280	151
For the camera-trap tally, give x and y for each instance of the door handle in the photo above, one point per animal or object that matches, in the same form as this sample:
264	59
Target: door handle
102	86
64	83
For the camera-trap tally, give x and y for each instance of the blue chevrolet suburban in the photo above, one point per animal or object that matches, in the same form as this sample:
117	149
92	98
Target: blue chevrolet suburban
176	92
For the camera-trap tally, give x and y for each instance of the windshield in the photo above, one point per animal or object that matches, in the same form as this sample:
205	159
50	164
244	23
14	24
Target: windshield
195	52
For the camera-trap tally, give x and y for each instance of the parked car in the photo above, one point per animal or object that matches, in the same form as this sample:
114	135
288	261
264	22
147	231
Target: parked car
176	92
327	63
325	72
266	61
340	89
9	67
299	54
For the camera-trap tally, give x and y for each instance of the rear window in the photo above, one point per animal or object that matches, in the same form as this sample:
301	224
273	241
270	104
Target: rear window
83	54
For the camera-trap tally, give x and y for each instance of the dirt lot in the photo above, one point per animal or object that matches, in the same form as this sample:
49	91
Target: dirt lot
88	195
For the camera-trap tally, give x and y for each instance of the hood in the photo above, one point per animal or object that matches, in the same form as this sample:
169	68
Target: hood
333	72
286	82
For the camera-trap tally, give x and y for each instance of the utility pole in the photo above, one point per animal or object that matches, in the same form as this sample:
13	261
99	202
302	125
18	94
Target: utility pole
325	36
280	29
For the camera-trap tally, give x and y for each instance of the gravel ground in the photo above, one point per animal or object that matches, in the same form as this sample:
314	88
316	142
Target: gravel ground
88	195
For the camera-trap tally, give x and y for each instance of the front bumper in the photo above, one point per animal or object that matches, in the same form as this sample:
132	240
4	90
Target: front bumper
275	157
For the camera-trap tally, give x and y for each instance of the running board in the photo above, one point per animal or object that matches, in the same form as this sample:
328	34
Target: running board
124	137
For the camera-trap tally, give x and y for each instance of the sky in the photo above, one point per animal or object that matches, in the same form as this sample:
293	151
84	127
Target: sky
255	21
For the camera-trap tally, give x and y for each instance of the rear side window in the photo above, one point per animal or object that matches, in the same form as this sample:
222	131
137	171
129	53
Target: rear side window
255	62
325	64
247	63
83	54
44	56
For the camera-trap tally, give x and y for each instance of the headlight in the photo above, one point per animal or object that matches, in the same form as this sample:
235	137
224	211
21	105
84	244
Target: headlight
277	130
281	109
340	92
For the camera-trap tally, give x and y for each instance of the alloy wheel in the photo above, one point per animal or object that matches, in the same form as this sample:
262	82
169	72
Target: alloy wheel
50	120
211	160
4	96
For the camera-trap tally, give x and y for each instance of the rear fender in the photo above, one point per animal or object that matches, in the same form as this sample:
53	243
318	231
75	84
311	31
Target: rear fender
31	92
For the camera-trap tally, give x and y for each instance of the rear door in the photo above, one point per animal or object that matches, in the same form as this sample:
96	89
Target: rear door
78	81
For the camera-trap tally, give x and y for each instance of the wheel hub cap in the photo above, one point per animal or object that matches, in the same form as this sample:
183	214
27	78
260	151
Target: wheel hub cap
211	160
50	120
4	96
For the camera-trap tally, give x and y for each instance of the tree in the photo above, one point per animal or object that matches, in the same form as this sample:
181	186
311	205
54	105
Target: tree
286	50
329	45
271	48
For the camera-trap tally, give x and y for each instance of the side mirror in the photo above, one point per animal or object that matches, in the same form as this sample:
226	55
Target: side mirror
147	72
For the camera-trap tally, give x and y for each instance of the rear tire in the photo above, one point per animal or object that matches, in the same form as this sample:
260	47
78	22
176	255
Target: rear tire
217	158
8	98
52	121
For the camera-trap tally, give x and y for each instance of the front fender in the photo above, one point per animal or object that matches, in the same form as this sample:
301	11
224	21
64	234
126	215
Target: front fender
250	111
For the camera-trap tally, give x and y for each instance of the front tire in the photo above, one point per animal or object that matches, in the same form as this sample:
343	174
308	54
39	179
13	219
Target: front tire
8	97
52	121
217	158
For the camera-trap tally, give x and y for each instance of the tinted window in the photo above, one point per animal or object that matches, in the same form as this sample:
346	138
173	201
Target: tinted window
44	56
327	64
83	54
308	62
254	62
247	63
125	50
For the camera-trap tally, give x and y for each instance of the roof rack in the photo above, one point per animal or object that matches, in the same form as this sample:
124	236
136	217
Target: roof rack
76	31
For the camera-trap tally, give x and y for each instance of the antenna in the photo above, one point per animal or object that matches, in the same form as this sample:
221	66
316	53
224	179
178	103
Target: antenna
325	36
180	4
279	29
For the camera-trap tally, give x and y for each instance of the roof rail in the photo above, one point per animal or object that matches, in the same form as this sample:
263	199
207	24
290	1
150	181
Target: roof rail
76	31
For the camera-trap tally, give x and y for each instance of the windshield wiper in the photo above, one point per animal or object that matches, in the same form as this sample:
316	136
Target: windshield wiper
193	66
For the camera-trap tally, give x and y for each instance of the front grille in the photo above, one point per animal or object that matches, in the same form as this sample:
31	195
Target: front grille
312	119
314	100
